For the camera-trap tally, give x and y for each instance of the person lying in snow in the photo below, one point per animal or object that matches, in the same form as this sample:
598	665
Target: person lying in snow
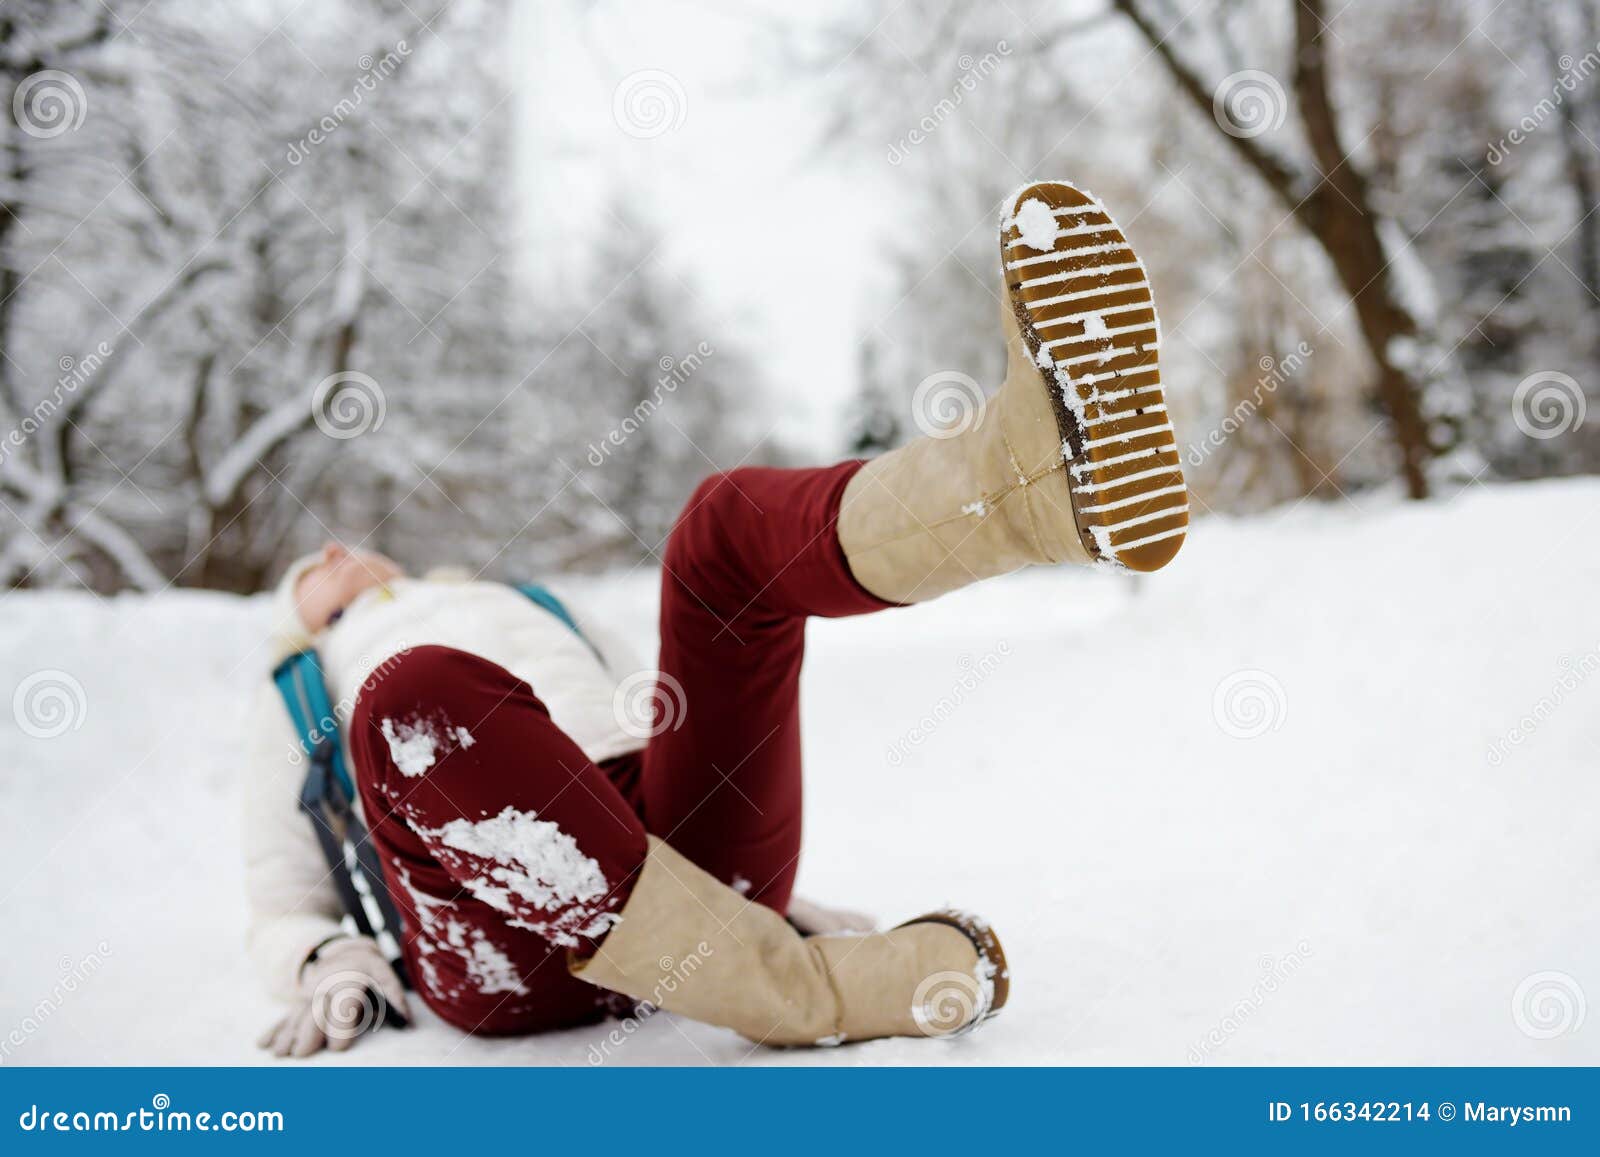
543	859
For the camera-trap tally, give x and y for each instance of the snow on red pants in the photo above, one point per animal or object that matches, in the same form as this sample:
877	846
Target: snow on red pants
504	846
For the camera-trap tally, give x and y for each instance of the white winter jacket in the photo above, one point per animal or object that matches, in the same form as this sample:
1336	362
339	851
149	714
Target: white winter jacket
293	904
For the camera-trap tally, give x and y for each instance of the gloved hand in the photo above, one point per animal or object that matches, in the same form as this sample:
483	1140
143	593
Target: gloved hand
813	919
346	988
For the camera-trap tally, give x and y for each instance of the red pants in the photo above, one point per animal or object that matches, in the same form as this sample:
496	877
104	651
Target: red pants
503	846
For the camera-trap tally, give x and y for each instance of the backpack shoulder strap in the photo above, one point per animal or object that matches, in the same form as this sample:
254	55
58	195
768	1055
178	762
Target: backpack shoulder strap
543	596
304	688
546	598
325	798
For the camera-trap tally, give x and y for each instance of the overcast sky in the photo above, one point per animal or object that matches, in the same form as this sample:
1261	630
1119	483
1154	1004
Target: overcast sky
737	176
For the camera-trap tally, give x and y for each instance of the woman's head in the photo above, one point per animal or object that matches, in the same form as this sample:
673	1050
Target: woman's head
329	582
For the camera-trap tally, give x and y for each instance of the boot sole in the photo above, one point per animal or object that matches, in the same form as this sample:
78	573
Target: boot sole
991	956
1083	305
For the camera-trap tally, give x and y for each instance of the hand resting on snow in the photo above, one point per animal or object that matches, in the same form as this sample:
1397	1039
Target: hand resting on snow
812	919
346	988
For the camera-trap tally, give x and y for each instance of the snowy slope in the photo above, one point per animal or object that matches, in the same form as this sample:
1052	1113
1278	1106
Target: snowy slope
1358	883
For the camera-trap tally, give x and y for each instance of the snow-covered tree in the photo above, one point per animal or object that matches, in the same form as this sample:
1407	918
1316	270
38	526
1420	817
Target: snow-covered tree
258	290
1292	172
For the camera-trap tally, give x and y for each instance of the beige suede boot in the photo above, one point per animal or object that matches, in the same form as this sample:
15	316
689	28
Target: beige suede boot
1072	460
689	944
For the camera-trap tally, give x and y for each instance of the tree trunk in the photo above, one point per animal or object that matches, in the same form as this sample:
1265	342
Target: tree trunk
1580	174
1340	215
1333	205
16	175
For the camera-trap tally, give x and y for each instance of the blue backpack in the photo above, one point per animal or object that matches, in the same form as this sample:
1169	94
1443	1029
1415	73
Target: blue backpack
327	794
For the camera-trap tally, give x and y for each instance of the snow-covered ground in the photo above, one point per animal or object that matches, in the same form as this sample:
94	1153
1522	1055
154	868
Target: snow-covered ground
1073	755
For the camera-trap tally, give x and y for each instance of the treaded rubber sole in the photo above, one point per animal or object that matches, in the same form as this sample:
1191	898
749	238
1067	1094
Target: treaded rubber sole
1087	319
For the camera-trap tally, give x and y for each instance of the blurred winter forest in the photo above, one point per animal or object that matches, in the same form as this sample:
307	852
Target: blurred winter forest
1369	224
268	274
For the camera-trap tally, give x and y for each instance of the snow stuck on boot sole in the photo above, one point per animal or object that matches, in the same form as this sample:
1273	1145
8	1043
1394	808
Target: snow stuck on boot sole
1083	304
